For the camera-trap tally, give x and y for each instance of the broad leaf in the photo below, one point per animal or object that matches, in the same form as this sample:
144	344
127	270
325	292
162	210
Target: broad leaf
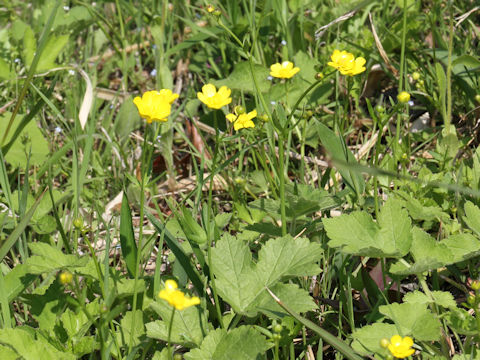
413	319
127	238
241	78
441	298
240	281
242	343
472	217
189	325
358	234
430	254
47	258
366	340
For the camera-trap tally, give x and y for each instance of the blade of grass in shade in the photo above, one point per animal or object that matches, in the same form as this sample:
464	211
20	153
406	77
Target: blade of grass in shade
177	250
127	238
337	343
6	323
5	248
27	118
41	46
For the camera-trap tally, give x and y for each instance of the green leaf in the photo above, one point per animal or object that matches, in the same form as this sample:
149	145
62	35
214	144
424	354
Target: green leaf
242	343
16	281
366	340
298	299
8	354
430	254
5	72
123	336
189	325
194	232
241	79
462	322
413	319
23	340
29	46
53	47
338	150
472	217
127	238
468	61
47	258
358	234
442	88
29	141
74	323
441	298
240	281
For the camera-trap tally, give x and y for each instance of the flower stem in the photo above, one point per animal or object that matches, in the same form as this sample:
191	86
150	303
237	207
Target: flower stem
170	326
210	216
281	174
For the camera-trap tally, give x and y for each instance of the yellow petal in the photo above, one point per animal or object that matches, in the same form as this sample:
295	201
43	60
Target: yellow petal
231	117
209	90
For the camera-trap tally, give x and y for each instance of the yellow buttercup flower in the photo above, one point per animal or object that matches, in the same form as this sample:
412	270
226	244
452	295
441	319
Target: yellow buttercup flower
285	70
403	97
155	105
215	99
401	347
243	120
346	63
175	297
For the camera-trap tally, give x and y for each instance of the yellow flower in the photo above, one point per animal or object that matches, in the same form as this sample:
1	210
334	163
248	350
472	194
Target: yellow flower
155	105
243	120
213	99
285	70
175	297
403	97
210	8
401	348
65	277
346	63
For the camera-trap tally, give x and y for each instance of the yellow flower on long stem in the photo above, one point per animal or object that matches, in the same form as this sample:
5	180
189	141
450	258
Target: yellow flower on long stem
215	99
401	347
155	105
285	70
175	297
346	63
243	120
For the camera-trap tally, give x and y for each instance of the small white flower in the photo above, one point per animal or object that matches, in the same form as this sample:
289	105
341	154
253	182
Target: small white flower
17	60
153	73
270	78
58	130
154	46
71	72
273	102
411	103
283	42
159	137
66	8
94	3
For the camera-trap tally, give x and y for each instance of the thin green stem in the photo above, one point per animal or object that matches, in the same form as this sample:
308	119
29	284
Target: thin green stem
448	117
281	174
210	217
170	326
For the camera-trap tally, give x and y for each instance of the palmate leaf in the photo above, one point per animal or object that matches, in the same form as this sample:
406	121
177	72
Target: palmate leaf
242	343
366	340
241	282
189	325
429	254
358	234
413	319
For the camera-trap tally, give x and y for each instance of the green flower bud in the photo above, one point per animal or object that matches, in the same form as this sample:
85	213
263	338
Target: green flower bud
278	328
403	97
477	98
475	285
239	110
78	223
416	76
384	343
65	277
319	76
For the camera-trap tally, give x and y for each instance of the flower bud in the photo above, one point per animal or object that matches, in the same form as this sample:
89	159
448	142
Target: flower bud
403	97
277	328
78	223
471	300
416	76
65	277
263	117
475	285
239	110
477	98
210	8
380	109
217	13
319	76
384	343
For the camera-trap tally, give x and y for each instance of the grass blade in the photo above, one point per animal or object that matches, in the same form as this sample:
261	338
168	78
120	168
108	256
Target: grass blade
127	238
337	343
